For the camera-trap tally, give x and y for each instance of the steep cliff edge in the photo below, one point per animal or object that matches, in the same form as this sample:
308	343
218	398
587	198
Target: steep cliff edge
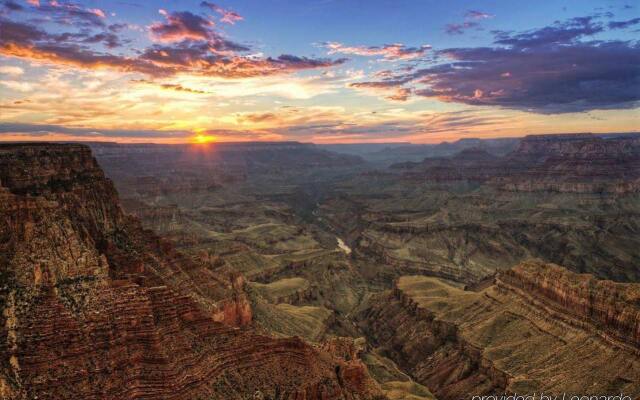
538	328
95	307
569	163
612	308
573	164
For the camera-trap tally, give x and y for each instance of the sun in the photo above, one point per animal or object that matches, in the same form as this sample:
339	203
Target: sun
203	139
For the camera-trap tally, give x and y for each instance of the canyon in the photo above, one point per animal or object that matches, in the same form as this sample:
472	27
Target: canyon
536	328
295	271
97	307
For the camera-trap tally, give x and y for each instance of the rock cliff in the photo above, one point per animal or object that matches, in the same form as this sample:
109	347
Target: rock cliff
613	308
96	307
571	163
538	328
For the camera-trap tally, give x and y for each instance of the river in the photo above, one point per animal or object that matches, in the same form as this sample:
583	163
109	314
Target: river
343	246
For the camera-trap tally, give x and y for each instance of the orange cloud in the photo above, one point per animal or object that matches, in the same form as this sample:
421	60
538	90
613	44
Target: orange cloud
215	57
395	51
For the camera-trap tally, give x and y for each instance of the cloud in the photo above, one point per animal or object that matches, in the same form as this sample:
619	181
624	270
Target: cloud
395	51
227	16
61	132
459	29
25	41
565	32
216	57
257	117
544	79
623	24
108	39
182	25
10	70
384	125
211	59
548	70
71	14
475	14
391	88
471	19
171	86
10	5
39	129
18	86
401	94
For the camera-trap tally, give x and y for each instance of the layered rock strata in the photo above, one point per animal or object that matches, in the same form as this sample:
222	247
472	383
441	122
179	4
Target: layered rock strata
538	328
96	307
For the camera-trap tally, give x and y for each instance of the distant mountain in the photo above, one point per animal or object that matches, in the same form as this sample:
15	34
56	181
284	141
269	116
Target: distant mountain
362	149
417	152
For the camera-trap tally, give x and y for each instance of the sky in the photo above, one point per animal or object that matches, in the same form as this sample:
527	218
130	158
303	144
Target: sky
322	71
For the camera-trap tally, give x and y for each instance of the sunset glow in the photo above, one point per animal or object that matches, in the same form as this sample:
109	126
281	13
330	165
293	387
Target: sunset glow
202	139
158	71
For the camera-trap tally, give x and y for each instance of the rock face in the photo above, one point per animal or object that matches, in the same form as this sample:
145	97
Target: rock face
572	163
566	199
538	328
472	164
96	307
613	307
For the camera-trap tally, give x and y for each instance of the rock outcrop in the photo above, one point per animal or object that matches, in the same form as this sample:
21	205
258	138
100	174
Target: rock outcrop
610	307
571	163
96	307
538	328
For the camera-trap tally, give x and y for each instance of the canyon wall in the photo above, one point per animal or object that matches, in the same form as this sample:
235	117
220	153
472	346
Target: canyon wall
538	328
96	307
611	307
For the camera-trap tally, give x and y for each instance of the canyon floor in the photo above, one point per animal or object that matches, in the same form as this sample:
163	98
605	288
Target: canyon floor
292	271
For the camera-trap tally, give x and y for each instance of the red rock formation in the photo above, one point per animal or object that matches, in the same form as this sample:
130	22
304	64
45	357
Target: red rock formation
95	307
538	328
612	307
573	163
